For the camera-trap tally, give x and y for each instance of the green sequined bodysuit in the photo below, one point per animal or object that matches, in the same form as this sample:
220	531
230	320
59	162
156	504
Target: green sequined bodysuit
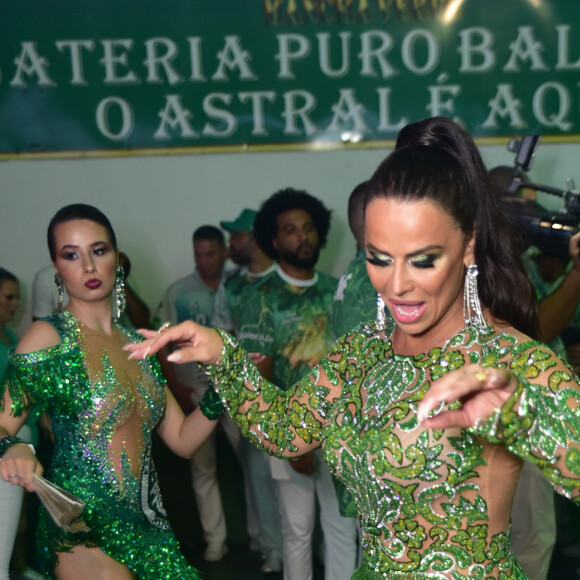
433	504
103	408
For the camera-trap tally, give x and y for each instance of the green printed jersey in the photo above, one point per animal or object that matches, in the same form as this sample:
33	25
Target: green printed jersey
229	305
355	298
289	320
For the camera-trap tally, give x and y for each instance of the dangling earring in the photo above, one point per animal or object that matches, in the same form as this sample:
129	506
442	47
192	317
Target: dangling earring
472	314
381	317
120	300
60	290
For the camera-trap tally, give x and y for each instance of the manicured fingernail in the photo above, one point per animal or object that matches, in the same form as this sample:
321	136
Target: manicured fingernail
424	412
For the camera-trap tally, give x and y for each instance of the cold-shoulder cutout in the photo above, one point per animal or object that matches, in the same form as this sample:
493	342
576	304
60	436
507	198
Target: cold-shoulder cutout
40	335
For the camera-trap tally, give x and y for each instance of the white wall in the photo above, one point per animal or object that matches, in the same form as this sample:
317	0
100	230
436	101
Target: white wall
155	203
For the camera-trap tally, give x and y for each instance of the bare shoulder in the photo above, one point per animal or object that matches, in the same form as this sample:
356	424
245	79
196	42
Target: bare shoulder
39	336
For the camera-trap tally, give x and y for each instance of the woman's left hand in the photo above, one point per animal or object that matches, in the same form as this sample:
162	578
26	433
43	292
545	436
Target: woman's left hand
481	391
196	343
18	466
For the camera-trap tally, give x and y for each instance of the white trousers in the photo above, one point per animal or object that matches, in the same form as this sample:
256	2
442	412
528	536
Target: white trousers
208	496
207	493
297	503
263	520
204	468
265	527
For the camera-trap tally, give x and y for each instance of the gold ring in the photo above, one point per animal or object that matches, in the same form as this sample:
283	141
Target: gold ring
163	327
480	375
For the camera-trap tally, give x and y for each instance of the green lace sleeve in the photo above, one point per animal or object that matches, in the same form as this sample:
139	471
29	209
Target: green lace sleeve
540	422
283	422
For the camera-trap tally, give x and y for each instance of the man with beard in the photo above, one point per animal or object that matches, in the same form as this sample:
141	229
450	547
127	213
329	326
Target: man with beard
286	318
253	264
263	519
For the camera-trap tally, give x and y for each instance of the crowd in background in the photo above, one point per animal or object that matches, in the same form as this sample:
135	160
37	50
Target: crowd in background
262	285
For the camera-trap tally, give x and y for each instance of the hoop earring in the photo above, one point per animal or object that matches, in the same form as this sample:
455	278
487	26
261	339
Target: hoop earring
381	316
60	290
120	300
472	313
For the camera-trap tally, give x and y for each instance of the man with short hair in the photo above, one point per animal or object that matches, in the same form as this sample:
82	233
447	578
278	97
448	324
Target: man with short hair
263	518
286	318
193	298
253	264
355	298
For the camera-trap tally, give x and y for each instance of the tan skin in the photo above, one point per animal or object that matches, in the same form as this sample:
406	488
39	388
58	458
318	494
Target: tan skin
428	299
417	262
210	257
84	252
296	233
243	245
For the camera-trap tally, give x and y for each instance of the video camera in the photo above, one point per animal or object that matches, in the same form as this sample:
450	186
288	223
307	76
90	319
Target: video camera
549	230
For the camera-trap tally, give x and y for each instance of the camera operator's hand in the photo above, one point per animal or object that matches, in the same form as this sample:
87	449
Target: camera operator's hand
574	251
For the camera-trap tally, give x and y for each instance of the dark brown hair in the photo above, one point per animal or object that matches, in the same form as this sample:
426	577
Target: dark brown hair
435	159
78	211
266	221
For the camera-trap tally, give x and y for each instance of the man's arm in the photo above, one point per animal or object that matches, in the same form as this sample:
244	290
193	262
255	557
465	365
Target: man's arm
556	310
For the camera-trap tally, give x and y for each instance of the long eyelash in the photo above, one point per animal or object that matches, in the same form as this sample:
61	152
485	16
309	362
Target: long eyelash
376	261
427	261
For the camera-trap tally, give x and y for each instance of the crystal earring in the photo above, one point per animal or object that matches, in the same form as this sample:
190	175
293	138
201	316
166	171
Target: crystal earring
120	300
60	290
381	317
472	314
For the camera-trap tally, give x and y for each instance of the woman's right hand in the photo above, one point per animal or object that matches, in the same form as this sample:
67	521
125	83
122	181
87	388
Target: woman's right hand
195	343
18	466
481	391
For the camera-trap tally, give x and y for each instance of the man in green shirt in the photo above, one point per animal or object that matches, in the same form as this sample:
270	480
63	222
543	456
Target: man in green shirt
286	317
263	518
355	298
253	265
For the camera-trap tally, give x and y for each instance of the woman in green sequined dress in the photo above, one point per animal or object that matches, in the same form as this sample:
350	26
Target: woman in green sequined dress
103	408
427	418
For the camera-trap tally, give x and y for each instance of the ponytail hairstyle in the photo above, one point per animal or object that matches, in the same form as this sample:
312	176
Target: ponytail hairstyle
437	160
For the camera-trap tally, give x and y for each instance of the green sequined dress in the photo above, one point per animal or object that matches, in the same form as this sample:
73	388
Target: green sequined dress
103	408
433	504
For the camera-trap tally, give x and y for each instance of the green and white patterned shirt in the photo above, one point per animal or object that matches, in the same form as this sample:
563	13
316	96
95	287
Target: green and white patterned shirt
355	298
228	301
289	320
